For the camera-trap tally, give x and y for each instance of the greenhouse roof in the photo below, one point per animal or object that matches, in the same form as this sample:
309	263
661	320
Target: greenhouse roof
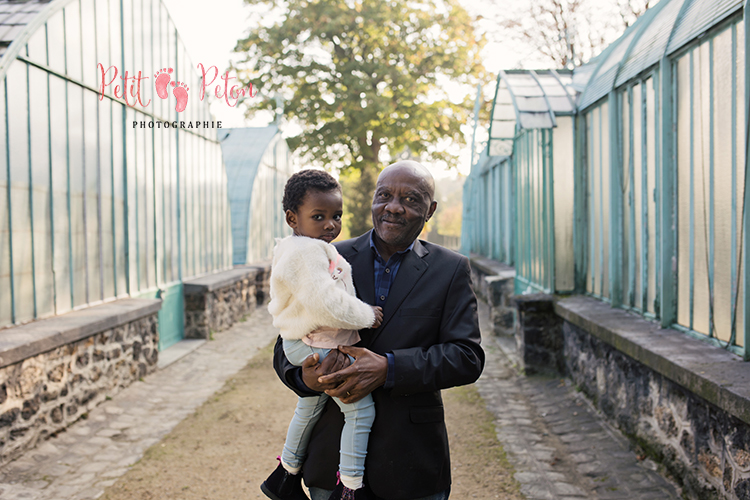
526	99
14	16
661	31
243	150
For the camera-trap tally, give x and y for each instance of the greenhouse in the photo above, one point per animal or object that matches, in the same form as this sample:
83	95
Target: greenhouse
517	214
625	181
258	166
95	204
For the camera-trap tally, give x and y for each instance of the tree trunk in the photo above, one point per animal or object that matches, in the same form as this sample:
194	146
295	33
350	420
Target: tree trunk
358	187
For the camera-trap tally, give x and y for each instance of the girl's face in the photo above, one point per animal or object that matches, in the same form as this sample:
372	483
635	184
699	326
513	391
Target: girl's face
319	215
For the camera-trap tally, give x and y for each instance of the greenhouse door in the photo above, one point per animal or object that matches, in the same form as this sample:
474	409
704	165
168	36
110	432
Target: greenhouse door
171	316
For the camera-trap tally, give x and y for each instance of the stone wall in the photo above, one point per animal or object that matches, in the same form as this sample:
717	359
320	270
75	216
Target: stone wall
686	403
262	281
700	445
52	372
217	301
539	335
493	283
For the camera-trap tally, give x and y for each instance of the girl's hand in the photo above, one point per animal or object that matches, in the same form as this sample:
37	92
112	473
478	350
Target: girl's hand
378	316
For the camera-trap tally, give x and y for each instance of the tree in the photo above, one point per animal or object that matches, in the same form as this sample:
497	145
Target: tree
567	33
366	81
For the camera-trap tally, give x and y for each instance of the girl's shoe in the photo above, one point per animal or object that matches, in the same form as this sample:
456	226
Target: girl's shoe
281	485
341	492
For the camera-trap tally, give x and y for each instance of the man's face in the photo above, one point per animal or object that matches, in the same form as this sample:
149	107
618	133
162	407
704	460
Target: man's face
401	206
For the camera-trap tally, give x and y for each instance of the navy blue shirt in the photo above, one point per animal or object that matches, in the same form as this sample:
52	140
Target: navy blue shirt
385	275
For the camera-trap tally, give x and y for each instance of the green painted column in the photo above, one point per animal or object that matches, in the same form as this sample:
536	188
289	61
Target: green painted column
667	302
580	216
615	201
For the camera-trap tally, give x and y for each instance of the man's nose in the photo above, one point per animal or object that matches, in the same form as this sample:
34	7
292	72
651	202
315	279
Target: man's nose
394	206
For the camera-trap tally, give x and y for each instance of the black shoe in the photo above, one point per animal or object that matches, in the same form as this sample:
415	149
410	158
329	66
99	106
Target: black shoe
281	485
341	492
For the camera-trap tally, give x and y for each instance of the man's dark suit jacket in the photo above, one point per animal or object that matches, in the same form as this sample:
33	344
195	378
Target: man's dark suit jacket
430	325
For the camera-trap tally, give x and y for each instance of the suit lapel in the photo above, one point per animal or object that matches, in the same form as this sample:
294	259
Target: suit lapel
362	262
411	270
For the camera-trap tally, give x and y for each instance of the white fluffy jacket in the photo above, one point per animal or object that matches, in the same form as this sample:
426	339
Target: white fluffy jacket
307	292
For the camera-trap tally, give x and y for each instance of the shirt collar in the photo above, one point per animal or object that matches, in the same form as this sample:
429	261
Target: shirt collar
372	245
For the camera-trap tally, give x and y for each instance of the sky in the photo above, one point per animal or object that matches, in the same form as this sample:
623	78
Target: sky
229	21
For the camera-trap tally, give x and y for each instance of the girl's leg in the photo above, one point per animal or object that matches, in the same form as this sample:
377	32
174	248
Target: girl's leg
305	415
300	428
358	419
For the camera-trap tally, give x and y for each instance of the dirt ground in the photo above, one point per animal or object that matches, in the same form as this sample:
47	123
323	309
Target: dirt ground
229	445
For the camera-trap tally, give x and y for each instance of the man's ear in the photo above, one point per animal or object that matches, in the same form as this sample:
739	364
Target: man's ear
291	219
431	210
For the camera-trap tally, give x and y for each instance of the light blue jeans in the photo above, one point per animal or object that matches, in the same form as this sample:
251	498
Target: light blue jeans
358	418
321	494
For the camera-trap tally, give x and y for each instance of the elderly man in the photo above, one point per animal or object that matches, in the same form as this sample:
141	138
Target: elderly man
428	341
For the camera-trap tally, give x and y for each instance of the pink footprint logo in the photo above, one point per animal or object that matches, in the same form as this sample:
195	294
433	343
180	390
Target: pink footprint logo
162	80
180	92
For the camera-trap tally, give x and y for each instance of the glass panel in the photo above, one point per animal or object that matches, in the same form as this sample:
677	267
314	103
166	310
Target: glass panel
534	203
37	47
596	207
563	183
651	201
18	146
683	190
722	222
740	131
627	230
178	200
170	202
92	196
6	314
60	222
131	189
127	34
637	197
56	31
189	205
605	197
73	41
149	205
89	53
103	50
701	180
41	192
589	204
77	193
158	151
107	209
142	209
114	34
147	40
119	146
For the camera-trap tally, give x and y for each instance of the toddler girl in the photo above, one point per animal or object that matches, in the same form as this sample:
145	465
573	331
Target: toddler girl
314	305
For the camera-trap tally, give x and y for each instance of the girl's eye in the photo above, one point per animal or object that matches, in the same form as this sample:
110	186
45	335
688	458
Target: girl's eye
317	217
337	217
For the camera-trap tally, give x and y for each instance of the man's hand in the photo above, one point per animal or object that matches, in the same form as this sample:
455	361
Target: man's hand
359	379
312	370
